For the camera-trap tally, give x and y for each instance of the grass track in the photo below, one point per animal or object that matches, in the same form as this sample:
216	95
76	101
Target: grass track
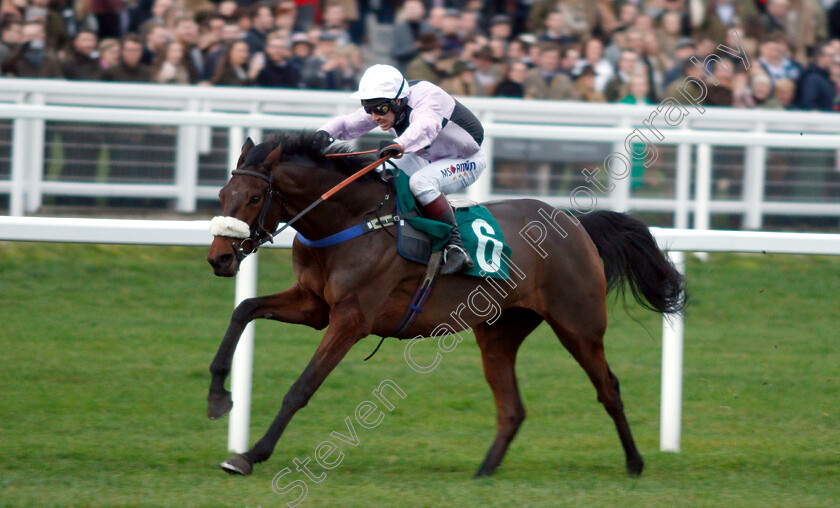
105	373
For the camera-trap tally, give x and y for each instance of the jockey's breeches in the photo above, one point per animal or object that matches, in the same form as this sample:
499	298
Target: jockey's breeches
428	180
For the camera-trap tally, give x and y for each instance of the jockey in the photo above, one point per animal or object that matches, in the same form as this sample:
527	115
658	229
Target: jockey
436	139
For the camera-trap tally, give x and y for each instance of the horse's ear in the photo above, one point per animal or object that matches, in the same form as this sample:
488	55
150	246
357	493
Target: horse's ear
274	156
245	149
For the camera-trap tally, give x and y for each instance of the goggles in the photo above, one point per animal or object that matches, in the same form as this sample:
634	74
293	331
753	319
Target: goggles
380	109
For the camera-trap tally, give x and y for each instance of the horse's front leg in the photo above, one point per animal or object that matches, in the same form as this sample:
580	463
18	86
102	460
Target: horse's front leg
347	326
295	305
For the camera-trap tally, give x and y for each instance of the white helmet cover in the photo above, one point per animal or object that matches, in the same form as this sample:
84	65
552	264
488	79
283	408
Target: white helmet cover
381	82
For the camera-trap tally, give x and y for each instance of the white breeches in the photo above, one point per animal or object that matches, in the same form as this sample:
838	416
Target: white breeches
428	180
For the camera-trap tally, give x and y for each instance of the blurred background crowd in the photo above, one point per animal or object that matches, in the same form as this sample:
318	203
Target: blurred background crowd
591	50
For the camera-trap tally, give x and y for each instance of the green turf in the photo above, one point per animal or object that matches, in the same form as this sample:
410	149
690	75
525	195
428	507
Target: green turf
106	350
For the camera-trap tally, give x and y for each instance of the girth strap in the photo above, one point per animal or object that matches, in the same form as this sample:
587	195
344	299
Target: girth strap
416	305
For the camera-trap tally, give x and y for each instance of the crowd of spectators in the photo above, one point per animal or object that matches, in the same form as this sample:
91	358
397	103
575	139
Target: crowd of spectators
629	51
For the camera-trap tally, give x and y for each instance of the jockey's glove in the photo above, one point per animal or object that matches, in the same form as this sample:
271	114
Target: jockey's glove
389	148
321	140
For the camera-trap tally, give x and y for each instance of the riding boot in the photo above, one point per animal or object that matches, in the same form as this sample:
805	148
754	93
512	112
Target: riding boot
455	256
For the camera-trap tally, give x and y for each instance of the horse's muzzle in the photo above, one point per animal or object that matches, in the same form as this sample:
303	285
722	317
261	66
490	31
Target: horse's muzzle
222	258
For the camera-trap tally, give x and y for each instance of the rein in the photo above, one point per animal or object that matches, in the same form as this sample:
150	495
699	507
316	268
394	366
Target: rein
259	235
347	154
325	196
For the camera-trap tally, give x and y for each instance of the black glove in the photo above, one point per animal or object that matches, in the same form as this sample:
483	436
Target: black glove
389	148
321	140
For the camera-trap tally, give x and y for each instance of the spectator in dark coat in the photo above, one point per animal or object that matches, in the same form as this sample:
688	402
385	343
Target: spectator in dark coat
57	36
33	58
170	67
233	69
129	69
424	66
302	49
816	91
774	59
81	62
514	83
230	34
325	70
500	28
556	30
680	87
10	35
277	70
618	86
719	87
262	21
451	41
155	36
684	50
462	82
108	15
834	21
186	31
335	21
407	33
546	81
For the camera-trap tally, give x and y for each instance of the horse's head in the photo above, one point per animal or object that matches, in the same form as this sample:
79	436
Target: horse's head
275	180
248	218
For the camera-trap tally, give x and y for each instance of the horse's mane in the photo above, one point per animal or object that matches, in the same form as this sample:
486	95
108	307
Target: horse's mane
298	146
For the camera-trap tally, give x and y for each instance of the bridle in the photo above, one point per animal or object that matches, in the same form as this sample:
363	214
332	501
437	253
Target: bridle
259	235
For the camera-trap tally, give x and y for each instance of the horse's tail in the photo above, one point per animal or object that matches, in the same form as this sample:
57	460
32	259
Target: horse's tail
630	254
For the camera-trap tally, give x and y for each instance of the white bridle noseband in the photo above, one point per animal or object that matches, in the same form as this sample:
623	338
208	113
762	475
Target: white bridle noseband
230	227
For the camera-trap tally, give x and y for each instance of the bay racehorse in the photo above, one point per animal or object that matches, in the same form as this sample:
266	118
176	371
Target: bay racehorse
363	286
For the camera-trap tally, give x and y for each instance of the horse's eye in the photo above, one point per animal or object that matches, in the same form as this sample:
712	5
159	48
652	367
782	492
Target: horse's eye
255	200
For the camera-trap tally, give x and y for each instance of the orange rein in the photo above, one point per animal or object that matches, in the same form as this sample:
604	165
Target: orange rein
355	175
331	155
347	181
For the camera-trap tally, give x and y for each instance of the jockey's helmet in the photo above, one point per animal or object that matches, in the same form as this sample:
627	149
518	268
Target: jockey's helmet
382	83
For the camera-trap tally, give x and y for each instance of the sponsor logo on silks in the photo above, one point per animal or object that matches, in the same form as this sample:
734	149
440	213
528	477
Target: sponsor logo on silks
461	167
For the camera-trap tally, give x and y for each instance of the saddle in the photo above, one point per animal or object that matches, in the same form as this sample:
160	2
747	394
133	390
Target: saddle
418	237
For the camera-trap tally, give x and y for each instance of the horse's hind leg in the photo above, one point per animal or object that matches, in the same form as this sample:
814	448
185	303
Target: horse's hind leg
499	343
589	352
291	306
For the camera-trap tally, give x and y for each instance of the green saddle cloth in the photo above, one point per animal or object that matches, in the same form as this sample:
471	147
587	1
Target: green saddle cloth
480	232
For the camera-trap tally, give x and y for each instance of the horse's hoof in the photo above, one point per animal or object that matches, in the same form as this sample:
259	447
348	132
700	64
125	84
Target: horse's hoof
237	465
634	468
218	405
483	473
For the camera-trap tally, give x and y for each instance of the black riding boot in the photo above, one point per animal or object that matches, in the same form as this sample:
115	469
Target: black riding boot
455	256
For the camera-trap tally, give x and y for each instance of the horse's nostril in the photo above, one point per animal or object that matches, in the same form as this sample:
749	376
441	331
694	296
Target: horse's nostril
221	260
225	259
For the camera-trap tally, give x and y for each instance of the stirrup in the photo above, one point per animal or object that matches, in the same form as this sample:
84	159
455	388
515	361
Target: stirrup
467	263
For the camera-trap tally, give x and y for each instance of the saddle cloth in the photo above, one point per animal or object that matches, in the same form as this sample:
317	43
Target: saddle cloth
418	237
